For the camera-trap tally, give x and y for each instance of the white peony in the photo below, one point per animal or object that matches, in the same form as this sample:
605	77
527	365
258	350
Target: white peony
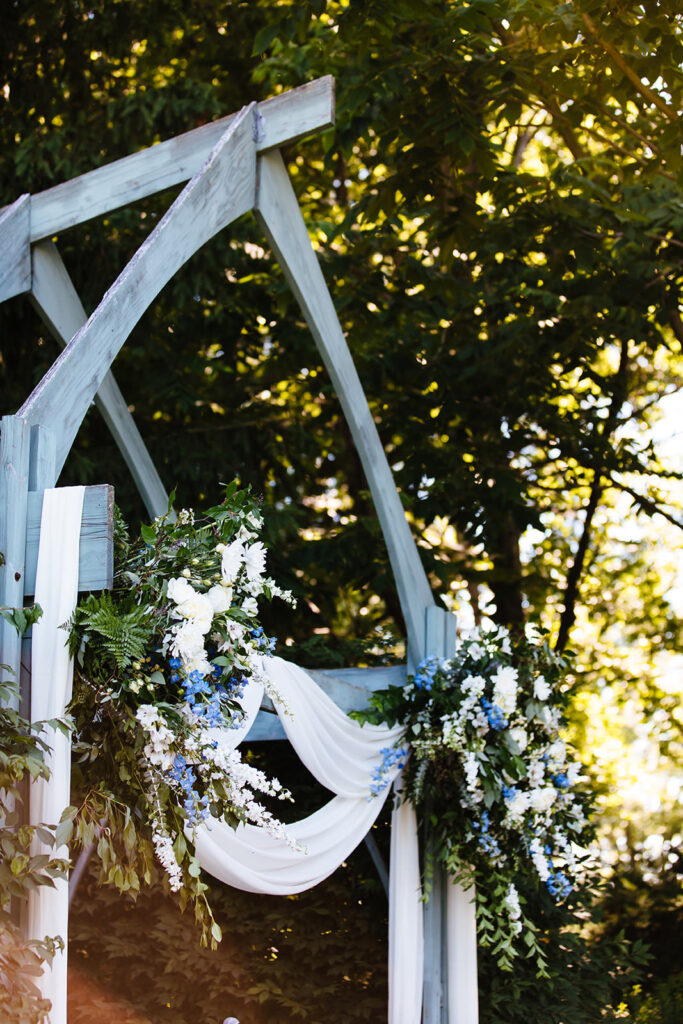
255	562
505	689
179	590
541	688
198	608
187	643
541	800
220	598
231	561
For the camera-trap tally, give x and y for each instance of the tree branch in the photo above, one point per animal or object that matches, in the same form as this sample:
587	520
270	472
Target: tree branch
612	52
571	588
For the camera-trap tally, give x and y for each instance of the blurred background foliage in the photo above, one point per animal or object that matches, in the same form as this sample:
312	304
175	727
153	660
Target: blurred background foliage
498	215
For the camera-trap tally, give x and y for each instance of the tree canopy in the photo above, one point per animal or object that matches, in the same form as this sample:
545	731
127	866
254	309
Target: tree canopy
499	215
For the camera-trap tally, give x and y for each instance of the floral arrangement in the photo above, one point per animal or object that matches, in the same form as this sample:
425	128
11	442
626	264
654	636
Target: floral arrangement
487	766
161	663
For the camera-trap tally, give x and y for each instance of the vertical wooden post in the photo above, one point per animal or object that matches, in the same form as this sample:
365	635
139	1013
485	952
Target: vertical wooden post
14	474
440	642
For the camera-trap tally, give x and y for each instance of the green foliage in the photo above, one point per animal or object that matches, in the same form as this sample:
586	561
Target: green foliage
22	869
149	767
123	632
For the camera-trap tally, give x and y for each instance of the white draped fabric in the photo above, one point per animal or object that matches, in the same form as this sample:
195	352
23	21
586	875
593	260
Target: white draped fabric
342	755
51	681
339	752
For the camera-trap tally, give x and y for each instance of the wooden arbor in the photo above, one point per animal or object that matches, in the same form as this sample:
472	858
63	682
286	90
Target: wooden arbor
231	166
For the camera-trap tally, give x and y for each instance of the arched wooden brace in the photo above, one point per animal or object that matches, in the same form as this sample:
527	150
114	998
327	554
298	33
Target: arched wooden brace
220	192
56	300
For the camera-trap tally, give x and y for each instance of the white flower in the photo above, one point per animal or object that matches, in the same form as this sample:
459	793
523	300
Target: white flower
541	688
220	598
505	689
476	651
512	903
541	800
535	772
557	753
474	685
163	847
198	609
518	806
187	641
249	606
519	736
231	561
573	772
179	590
255	562
539	859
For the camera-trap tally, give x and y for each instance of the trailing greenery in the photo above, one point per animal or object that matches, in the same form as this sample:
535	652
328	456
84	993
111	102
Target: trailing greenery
162	661
22	870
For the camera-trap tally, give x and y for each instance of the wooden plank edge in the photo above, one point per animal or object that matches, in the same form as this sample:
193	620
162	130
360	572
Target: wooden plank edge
174	161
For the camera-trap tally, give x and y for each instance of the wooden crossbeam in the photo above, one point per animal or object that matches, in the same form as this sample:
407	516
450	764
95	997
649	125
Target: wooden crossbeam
96	554
220	192
15	248
56	300
281	119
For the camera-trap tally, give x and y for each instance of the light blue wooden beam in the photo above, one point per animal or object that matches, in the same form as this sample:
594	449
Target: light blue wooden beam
15	248
15	436
96	553
282	120
279	215
221	191
57	303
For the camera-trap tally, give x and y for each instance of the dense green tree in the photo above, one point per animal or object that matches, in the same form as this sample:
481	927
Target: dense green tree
498	212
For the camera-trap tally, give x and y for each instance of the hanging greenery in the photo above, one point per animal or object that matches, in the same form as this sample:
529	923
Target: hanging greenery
162	661
487	767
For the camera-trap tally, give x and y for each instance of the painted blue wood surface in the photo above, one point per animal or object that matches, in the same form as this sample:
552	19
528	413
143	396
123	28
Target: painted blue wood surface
96	555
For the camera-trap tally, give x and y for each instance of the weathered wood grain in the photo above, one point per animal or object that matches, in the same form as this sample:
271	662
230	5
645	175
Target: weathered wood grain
15	248
220	192
439	640
56	300
14	470
283	119
96	554
278	212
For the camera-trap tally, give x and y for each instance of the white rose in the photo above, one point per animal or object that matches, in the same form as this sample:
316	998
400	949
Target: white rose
179	590
220	598
541	688
542	800
518	734
231	561
198	608
249	606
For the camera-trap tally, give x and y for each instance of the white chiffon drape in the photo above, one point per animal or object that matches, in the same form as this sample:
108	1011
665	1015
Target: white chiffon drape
340	753
51	682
